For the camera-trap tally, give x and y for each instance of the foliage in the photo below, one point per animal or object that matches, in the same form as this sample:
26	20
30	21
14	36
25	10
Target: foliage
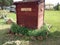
29	32
6	3
40	32
57	7
18	29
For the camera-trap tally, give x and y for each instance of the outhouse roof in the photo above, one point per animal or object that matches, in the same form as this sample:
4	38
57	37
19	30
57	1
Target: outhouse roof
29	1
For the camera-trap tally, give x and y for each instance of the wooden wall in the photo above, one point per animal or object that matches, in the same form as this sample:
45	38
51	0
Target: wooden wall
30	14
27	18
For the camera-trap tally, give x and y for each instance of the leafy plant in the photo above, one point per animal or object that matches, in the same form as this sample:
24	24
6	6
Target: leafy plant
15	28
40	32
25	31
18	29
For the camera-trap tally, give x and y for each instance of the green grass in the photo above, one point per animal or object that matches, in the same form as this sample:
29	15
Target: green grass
12	15
3	25
51	17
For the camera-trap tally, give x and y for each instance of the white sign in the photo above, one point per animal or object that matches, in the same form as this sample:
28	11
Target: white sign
26	9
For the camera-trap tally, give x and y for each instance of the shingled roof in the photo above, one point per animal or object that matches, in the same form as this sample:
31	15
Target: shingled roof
33	0
30	1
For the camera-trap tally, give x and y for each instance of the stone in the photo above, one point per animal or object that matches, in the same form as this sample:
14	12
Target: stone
16	34
40	38
21	35
33	37
9	21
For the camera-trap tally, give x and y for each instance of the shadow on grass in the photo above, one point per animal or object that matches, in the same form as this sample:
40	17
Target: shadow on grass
55	34
54	39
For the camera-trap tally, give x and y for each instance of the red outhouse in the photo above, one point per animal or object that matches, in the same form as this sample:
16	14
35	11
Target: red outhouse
30	13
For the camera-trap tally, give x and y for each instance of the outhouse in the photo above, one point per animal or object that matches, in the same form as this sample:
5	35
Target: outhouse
30	13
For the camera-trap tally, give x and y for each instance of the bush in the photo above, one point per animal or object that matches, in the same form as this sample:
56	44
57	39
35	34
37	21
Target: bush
40	32
18	29
25	31
56	7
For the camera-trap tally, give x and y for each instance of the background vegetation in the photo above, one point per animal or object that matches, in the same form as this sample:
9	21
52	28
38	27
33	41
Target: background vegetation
5	3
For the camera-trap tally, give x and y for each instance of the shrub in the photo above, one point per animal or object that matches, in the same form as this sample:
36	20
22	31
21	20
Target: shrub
18	29
25	31
56	7
15	28
40	32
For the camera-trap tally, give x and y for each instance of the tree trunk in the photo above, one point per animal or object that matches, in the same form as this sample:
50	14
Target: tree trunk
2	7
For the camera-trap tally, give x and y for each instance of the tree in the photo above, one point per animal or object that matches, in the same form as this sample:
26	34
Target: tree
6	3
57	7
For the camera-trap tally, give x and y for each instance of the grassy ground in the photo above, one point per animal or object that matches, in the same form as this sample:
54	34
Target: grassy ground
3	25
51	17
